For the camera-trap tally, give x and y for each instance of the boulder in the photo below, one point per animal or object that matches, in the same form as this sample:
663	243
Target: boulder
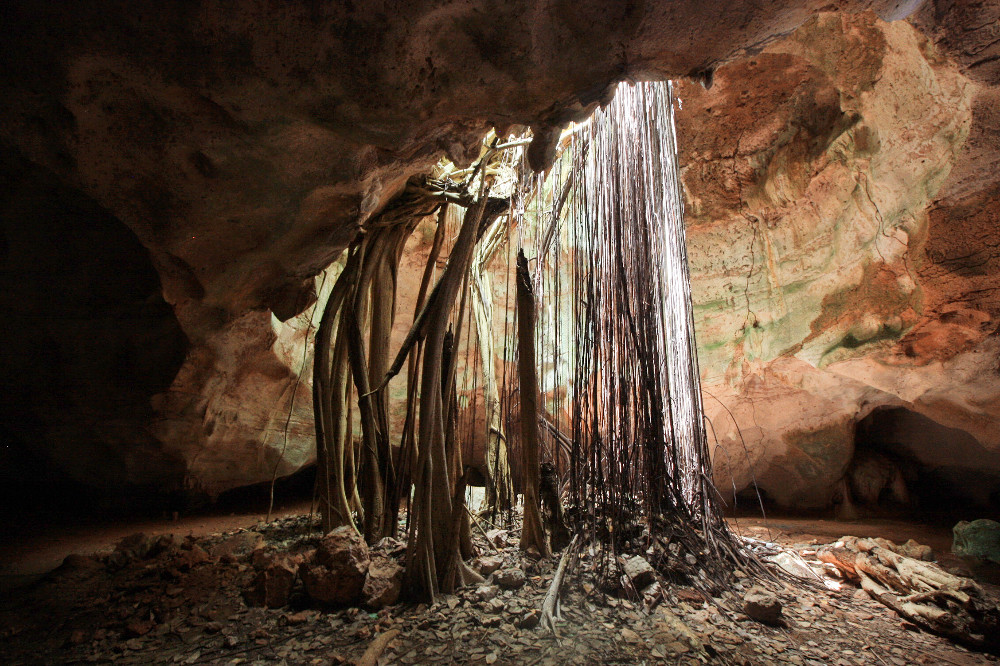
640	572
497	537
529	620
273	584
340	566
487	592
761	605
917	551
979	539
343	549
383	584
509	579
189	556
487	564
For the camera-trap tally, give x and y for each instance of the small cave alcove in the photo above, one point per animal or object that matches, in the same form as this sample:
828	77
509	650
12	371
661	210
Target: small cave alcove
908	465
88	339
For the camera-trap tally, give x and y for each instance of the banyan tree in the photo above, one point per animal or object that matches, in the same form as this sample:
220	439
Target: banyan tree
591	396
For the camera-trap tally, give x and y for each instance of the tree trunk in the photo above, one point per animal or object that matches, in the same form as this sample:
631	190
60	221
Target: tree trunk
328	380
499	489
532	533
428	555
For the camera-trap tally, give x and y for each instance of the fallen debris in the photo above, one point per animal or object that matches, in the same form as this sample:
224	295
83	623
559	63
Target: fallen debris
919	591
509	579
339	568
550	605
640	572
170	608
378	646
383	584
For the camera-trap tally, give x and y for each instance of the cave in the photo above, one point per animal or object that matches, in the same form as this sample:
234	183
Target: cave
948	474
89	341
463	332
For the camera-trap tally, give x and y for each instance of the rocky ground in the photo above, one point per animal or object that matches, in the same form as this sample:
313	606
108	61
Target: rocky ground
193	601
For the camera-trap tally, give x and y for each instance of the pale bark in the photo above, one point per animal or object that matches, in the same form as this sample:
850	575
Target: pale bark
428	556
919	591
499	489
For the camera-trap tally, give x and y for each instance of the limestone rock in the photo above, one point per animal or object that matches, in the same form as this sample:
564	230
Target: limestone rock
78	562
529	620
821	338
237	545
915	550
238	181
383	584
494	605
343	548
135	546
978	539
840	186
340	566
498	537
487	564
188	556
487	592
640	572
761	605
792	563
272	586
509	579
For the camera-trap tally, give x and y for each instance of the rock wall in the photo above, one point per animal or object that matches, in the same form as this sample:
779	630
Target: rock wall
831	276
86	344
243	144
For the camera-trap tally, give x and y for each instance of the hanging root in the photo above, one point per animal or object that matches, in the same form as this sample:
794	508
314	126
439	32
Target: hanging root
555	521
551	603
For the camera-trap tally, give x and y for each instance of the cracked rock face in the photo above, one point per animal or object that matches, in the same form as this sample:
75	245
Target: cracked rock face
838	168
830	277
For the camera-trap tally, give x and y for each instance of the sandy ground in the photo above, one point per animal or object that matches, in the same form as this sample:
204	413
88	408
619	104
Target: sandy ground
37	550
34	550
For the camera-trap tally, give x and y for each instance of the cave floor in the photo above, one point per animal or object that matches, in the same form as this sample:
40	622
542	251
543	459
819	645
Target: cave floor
186	605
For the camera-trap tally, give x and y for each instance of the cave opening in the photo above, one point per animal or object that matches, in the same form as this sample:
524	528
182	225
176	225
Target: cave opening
909	466
88	341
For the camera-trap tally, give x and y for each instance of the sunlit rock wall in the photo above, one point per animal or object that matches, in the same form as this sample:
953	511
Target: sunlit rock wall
811	171
819	252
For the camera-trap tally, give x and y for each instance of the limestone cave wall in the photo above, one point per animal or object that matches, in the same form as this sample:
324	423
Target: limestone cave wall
180	177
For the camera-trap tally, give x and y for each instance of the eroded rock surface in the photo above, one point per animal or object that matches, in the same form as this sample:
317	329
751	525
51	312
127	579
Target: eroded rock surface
243	145
842	201
337	573
822	258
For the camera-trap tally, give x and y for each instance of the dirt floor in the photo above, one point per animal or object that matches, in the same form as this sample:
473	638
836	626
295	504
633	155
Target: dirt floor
184	602
34	550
